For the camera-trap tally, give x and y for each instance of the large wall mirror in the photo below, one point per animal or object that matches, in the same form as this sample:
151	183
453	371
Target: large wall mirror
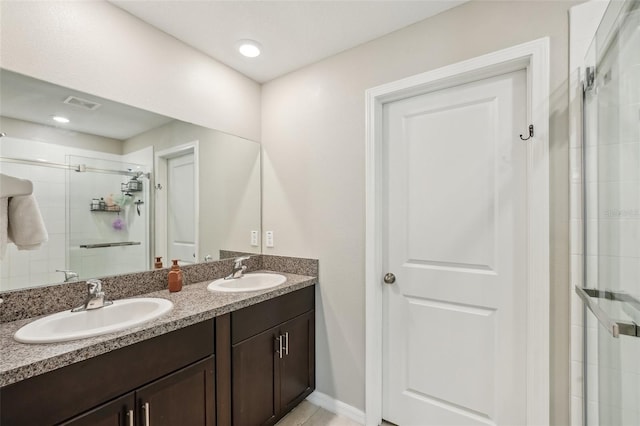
117	186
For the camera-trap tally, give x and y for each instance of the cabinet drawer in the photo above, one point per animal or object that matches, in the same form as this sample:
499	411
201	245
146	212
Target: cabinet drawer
255	319
60	394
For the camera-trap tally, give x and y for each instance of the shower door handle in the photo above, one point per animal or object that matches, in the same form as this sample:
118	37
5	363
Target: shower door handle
616	328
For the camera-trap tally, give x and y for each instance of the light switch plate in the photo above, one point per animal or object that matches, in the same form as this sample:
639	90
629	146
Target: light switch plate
269	237
254	238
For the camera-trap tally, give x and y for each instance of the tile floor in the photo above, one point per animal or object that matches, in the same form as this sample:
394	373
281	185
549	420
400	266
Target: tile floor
308	414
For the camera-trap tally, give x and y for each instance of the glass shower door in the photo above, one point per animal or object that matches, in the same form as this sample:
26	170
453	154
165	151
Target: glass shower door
612	219
108	218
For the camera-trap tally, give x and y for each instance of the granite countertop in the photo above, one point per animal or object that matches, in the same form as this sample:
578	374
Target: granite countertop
194	304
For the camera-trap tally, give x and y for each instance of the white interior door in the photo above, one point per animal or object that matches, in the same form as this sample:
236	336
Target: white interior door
455	320
181	226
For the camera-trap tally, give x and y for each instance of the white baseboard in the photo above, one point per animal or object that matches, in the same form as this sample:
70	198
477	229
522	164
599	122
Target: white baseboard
338	407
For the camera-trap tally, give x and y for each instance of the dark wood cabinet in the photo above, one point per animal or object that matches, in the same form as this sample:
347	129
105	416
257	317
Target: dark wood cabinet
297	366
115	413
272	359
173	371
185	397
254	398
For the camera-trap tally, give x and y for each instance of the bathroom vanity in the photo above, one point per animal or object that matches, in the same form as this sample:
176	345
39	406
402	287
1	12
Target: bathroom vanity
157	379
225	359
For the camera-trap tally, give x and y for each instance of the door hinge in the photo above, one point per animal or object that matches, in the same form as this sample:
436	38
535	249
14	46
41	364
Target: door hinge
589	79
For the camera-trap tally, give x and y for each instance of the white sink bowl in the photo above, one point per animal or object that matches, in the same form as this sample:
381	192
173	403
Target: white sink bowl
248	282
67	325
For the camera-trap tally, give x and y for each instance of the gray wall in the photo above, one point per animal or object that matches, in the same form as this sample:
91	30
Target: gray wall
229	180
313	134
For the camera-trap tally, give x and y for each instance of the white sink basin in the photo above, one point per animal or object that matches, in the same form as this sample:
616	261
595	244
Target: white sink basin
67	325
248	282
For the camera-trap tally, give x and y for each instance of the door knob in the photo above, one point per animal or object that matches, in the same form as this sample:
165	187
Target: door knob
389	278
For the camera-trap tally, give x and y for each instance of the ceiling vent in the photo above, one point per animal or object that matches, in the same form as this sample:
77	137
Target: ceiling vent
82	103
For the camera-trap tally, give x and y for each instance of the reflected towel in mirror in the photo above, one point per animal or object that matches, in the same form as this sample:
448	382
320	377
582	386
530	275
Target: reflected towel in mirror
12	186
25	225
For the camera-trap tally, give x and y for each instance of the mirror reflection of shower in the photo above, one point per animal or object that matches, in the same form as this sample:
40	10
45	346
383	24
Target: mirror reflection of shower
108	228
89	201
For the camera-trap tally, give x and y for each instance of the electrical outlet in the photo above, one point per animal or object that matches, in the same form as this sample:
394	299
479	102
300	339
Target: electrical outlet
269	235
254	238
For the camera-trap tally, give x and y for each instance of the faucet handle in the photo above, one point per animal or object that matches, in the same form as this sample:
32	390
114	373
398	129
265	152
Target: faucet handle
94	286
69	275
95	297
238	261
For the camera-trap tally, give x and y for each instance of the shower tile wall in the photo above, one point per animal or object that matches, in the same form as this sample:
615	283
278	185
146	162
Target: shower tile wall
20	268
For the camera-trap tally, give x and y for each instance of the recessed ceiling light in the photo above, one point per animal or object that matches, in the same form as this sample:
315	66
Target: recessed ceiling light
249	48
60	119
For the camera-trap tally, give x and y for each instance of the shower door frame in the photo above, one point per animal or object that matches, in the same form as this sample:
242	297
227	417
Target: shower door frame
610	26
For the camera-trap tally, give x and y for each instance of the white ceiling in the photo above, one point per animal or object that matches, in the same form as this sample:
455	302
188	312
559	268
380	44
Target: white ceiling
292	33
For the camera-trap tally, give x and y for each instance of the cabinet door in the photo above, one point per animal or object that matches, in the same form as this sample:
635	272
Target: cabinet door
254	400
115	413
297	366
186	397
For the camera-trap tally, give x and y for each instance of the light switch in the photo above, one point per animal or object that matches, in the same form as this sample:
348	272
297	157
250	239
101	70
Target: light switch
269	236
254	238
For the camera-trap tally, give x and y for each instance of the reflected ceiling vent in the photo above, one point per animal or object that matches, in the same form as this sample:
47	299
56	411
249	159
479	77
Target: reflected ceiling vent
82	103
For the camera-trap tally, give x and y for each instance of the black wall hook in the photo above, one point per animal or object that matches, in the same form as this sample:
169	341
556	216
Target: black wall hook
530	133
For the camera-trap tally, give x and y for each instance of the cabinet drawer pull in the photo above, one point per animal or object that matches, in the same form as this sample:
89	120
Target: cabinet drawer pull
145	409
286	343
130	417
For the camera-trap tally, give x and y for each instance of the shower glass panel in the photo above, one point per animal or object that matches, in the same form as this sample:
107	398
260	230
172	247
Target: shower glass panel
108	218
612	218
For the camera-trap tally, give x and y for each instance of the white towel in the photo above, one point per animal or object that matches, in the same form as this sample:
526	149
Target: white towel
26	228
4	225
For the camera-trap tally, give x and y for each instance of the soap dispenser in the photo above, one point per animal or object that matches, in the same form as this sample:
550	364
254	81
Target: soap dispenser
158	263
175	277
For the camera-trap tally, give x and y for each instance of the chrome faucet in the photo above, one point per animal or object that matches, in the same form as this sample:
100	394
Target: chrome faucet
95	297
68	275
238	268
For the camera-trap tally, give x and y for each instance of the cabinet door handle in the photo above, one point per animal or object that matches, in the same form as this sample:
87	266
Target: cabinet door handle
280	346
286	343
130	417
145	412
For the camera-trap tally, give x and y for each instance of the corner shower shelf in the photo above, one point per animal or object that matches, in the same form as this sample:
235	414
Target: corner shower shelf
113	209
127	187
